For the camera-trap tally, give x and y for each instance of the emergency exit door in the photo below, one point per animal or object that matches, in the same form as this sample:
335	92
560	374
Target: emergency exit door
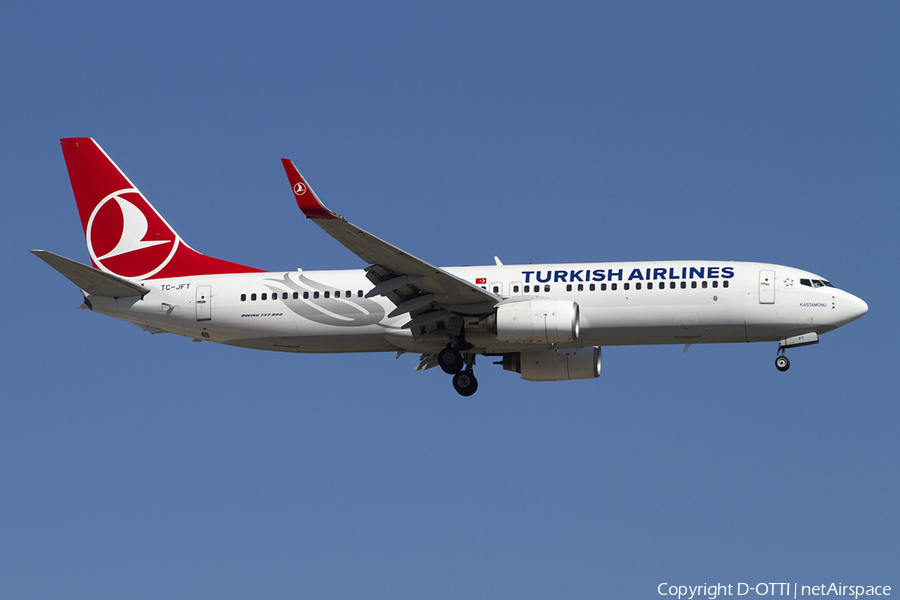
767	287
204	305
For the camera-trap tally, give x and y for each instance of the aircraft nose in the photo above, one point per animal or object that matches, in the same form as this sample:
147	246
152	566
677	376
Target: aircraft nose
853	308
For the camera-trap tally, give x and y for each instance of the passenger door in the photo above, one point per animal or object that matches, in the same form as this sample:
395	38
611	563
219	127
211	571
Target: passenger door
203	301
767	287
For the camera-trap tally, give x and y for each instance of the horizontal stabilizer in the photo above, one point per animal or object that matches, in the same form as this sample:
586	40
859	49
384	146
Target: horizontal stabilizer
90	279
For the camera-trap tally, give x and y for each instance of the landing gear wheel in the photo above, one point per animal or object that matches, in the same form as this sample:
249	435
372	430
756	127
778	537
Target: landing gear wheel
782	363
451	360
465	383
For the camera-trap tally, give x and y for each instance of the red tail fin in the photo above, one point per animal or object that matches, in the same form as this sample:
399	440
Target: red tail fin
125	235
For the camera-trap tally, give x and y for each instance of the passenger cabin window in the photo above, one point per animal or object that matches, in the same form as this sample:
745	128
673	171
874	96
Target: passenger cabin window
593	287
327	294
649	285
725	283
626	286
252	297
243	297
568	287
671	285
296	295
602	287
715	283
315	294
637	286
684	285
694	285
263	296
613	286
703	284
515	289
359	294
546	288
305	295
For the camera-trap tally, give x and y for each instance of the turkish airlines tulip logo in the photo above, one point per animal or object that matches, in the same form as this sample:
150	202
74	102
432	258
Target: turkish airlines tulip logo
126	237
299	189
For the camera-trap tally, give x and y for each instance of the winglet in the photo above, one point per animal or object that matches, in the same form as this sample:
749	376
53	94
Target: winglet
306	198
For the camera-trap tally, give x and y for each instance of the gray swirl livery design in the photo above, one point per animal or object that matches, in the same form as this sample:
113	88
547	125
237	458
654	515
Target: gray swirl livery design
320	303
546	322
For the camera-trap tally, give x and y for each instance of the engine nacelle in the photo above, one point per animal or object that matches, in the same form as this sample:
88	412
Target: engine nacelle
555	365
539	320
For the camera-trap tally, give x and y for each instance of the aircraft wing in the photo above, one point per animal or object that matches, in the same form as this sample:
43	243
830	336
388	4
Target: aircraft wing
412	284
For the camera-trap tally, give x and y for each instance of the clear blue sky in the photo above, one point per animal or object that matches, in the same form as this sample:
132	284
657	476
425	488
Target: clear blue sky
134	466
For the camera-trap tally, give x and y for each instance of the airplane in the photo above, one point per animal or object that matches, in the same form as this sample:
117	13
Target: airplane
546	322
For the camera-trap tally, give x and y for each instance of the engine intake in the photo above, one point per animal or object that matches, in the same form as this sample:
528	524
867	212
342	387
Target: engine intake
539	320
555	365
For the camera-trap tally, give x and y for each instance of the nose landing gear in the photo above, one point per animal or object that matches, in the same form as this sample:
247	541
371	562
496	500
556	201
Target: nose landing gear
807	339
781	362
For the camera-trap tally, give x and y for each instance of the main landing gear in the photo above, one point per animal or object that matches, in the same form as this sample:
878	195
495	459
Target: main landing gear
452	362
465	383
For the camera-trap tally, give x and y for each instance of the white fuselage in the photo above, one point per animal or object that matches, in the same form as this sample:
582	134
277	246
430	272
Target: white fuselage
668	302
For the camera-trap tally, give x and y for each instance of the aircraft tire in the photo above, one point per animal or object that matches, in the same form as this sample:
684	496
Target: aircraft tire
782	363
451	361
465	383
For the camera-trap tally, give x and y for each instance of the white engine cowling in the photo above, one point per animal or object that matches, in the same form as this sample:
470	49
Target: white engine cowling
555	365
540	320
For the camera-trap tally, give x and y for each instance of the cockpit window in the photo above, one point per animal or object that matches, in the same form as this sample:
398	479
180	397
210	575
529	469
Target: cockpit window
815	283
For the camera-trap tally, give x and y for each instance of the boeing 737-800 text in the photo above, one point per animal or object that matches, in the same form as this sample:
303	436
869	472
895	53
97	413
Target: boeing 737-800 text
546	322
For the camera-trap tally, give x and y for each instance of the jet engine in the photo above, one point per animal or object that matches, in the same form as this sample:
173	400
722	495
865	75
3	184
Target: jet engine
539	320
555	365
